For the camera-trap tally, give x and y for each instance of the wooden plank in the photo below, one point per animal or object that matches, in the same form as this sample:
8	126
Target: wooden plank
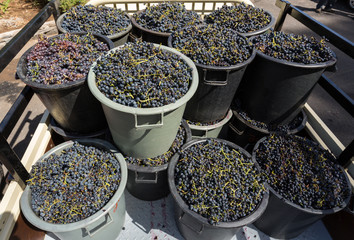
9	206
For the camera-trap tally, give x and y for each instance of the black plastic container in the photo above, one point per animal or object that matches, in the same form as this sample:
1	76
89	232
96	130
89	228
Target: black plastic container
216	90
72	105
149	35
150	183
66	135
246	135
192	225
284	219
274	91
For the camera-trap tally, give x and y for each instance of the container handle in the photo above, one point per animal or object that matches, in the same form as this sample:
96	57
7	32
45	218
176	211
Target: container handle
148	126
150	181
235	129
185	219
203	136
215	83
99	227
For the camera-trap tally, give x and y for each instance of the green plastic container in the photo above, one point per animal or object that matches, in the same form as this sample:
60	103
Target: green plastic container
104	224
144	132
209	131
118	38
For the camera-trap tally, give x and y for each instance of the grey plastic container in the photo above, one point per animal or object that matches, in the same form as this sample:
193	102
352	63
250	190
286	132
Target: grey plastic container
209	131
192	225
144	132
150	183
118	38
261	30
216	90
105	224
284	219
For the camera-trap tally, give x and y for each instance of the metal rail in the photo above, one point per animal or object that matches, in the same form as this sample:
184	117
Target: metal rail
340	42
7	156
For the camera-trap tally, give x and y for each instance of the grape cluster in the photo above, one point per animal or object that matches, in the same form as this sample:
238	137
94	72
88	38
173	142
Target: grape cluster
167	17
164	158
302	172
293	124
212	45
95	19
142	75
218	182
63	58
293	48
73	185
241	18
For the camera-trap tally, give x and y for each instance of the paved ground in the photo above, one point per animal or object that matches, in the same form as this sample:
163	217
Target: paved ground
342	124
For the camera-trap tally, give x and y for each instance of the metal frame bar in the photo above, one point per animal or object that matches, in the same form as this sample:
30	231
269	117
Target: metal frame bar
328	85
7	156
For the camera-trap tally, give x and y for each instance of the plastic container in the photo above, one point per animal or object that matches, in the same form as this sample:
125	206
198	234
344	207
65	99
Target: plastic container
66	135
284	219
72	105
192	225
104	224
261	30
144	132
117	39
150	183
274	91
246	135
209	131
149	35
216	90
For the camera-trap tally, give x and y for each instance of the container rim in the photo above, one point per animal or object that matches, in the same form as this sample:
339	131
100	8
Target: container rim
22	68
288	202
145	111
151	169
234	224
326	64
112	36
219	68
210	127
41	224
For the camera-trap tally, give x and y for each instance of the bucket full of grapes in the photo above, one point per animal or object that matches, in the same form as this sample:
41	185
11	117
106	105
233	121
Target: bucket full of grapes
110	22
211	129
157	22
147	178
210	180
221	56
305	181
143	88
76	191
245	19
56	69
277	84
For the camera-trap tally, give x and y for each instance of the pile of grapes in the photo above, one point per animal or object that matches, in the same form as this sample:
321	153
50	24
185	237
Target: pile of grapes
212	45
95	19
302	172
218	182
293	48
164	158
167	17
63	58
74	185
142	75
241	18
